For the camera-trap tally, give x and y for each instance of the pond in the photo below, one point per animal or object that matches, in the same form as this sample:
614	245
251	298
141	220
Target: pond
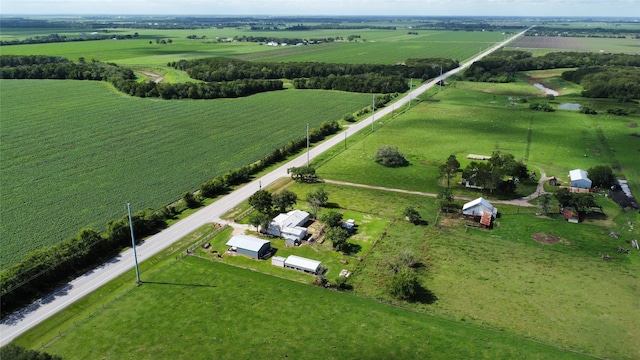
546	89
569	106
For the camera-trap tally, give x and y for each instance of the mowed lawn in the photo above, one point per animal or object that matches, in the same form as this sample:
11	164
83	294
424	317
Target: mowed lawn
74	152
561	294
199	309
469	118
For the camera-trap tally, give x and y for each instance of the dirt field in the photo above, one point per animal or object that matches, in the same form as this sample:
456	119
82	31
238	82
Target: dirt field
550	42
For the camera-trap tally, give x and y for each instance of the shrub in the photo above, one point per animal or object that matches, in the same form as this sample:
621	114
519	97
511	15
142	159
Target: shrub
389	156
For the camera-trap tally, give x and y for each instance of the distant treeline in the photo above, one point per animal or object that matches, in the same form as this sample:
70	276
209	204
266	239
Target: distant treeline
593	32
55	38
49	67
281	40
602	75
457	25
42	270
331	26
373	78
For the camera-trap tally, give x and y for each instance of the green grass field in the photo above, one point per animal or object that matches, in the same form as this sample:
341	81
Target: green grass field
76	152
476	118
201	310
381	46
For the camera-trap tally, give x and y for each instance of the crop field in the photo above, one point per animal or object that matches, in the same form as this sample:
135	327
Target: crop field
473	118
381	46
557	43
74	153
217	311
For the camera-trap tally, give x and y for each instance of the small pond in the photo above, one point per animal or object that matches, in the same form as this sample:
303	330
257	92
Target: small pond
569	106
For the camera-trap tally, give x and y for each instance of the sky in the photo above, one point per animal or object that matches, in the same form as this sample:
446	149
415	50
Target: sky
536	8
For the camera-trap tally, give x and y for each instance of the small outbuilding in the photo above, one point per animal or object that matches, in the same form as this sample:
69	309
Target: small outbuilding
571	215
303	264
250	246
480	210
278	261
580	179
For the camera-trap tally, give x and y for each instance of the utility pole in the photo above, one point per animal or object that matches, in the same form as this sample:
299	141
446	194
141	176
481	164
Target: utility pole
373	110
410	91
133	243
440	77
307	144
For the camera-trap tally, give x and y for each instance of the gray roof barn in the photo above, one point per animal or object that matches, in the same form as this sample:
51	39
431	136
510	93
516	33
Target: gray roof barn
302	264
250	246
478	207
580	179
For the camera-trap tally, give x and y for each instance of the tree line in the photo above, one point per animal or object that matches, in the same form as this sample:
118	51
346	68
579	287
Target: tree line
44	269
50	67
221	69
370	78
602	75
55	38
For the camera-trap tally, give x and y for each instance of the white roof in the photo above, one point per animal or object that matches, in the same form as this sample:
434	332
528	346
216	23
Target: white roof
247	242
482	203
303	263
578	174
297	231
292	219
477	201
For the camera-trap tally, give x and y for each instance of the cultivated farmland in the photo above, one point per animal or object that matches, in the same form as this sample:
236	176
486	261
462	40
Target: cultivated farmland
74	153
557	43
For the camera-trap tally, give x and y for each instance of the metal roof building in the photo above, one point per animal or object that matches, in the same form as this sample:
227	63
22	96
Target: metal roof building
302	264
289	225
478	207
580	179
250	246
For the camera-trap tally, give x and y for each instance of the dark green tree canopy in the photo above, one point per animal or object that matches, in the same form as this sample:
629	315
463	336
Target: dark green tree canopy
332	218
389	156
601	176
284	200
262	201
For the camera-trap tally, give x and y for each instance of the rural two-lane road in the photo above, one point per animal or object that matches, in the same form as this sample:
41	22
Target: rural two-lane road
42	309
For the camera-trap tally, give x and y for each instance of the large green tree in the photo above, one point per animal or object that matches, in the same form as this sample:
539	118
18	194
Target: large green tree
262	201
403	285
284	200
601	176
338	237
316	200
449	169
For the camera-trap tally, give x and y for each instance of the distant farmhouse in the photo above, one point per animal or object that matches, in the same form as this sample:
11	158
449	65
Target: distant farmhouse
579	179
290	226
249	246
480	210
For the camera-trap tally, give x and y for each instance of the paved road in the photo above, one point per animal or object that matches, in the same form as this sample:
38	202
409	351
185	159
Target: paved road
85	284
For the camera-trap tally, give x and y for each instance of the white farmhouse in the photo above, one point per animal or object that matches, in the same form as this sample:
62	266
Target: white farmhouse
289	225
